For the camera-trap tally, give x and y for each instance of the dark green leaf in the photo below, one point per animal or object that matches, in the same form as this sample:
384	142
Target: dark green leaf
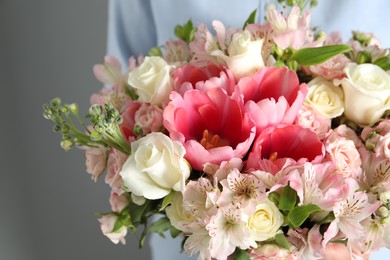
160	226
167	200
299	214
251	19
281	241
288	198
141	241
383	62
175	232
274	197
137	212
241	255
313	56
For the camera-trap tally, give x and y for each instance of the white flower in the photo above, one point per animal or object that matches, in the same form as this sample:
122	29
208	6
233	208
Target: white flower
325	98
152	80
178	216
155	167
265	222
244	55
115	234
367	91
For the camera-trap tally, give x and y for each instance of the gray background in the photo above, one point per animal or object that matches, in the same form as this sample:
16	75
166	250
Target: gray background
47	200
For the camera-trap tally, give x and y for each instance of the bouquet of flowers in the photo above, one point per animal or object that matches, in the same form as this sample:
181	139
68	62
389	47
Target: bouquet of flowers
268	141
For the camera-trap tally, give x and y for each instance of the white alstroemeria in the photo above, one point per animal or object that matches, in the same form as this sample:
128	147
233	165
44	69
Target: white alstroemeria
199	240
228	230
348	215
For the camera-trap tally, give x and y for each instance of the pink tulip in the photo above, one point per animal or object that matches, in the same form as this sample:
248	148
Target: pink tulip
212	126
273	96
278	144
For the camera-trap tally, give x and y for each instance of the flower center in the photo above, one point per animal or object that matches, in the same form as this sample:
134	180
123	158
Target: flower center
210	140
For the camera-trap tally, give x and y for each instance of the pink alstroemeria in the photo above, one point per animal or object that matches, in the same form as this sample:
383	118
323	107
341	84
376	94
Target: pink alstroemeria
199	240
212	126
292	31
273	96
276	145
241	189
348	213
220	172
228	230
109	72
376	172
116	159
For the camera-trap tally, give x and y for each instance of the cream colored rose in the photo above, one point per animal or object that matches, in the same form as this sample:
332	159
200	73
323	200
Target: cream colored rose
244	55
179	218
325	98
155	167
265	222
366	91
152	80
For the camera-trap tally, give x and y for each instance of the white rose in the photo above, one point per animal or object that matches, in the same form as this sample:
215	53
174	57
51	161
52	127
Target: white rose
265	222
178	217
152	80
155	167
325	98
244	55
367	91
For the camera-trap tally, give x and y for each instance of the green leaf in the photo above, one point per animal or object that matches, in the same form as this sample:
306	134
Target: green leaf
313	56
156	51
288	198
383	62
141	241
167	200
241	255
160	226
299	214
175	232
137	212
251	19
274	197
281	241
185	32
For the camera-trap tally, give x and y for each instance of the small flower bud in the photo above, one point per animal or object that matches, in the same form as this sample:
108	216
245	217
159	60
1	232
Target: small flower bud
57	128
66	144
363	57
74	108
96	136
95	110
382	212
55	102
137	130
385	197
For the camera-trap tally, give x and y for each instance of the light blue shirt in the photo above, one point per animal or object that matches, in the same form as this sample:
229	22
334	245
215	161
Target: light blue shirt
135	26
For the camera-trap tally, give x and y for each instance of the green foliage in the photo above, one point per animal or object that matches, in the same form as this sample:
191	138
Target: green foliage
185	32
167	200
280	240
251	19
383	62
288	198
241	255
318	55
156	51
299	214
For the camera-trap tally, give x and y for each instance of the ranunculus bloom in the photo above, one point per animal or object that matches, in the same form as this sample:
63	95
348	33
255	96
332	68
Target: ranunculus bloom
149	118
155	167
273	96
276	145
309	118
212	126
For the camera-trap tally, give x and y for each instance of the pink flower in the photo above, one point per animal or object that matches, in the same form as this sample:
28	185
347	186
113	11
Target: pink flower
107	225
336	251
149	118
212	126
116	159
114	95
190	77
176	51
220	172
275	145
95	161
309	118
332	68
377	139
119	202
129	123
109	72
273	96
